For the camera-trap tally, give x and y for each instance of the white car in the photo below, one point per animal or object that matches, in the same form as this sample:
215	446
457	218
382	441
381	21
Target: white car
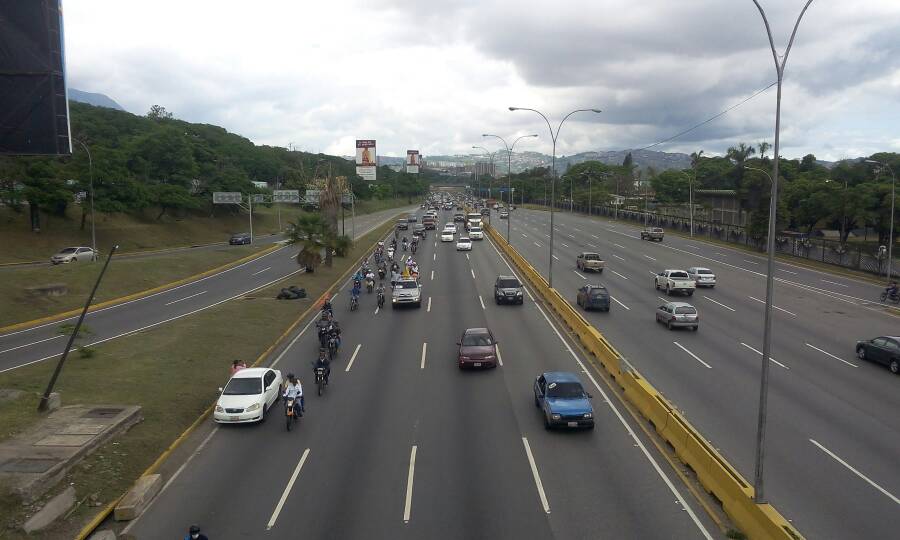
248	395
447	235
74	254
476	233
463	244
450	227
703	277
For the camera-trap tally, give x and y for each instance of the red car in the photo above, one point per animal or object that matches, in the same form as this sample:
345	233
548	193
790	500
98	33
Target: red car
477	349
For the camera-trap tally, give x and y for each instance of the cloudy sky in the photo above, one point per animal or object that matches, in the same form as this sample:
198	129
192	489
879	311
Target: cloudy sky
435	75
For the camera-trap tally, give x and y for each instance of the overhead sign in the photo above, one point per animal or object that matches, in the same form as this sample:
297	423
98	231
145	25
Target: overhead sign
312	196
412	161
366	161
258	198
227	197
286	196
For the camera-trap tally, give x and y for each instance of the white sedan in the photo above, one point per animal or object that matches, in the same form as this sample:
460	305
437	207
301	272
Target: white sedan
464	244
74	254
450	227
248	395
476	233
447	235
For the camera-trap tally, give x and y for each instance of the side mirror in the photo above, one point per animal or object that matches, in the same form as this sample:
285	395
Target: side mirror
590	396
458	343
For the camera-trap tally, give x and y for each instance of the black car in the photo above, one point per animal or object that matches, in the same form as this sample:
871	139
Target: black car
508	290
419	230
881	350
412	218
485	211
459	217
239	239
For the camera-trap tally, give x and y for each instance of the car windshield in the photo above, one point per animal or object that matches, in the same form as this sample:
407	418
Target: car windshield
476	340
657	230
565	390
463	240
686	310
508	283
243	386
678	275
407	285
66	251
591	257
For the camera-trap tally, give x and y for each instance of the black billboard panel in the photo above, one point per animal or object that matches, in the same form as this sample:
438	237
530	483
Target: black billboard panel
34	110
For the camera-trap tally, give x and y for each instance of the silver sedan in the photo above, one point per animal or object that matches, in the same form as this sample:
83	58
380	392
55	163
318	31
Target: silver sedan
678	314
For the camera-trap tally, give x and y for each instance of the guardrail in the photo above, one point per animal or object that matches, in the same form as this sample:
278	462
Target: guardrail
716	475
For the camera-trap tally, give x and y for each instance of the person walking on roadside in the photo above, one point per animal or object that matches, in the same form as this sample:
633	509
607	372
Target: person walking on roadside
237	365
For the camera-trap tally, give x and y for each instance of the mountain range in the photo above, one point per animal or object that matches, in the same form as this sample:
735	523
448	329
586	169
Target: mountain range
97	100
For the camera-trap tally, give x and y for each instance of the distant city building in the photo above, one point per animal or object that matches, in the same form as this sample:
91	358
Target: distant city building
485	168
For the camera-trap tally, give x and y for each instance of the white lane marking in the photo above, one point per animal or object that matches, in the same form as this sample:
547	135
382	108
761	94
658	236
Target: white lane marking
760	353
831	355
525	235
694	356
175	475
663	299
186	298
786	271
33	343
407	506
564	245
537	476
834	283
595	246
428	310
352	358
472	270
620	246
538	245
722	254
618	274
649	257
692	246
499	358
620	258
555	257
424	350
467	257
717	302
377	309
749	261
577	273
287	490
136	330
774	306
595	236
577	229
652	273
432	275
620	303
261	271
434	257
856	472
480	299
630	431
547	235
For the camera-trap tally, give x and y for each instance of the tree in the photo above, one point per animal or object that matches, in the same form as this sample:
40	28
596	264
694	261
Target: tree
168	197
309	233
158	112
763	148
739	155
671	186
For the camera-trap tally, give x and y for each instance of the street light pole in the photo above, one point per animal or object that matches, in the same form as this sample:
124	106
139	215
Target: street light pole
553	167
509	150
758	493
91	184
891	231
491	158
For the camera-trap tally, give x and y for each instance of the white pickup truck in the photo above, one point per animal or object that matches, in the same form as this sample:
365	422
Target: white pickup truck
675	281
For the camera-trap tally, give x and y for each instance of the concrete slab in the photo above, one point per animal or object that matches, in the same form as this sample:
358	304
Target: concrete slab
64	440
83	429
138	497
54	508
105	534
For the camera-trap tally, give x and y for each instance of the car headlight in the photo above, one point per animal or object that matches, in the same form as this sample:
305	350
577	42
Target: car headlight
252	407
518	293
219	408
588	415
554	416
489	357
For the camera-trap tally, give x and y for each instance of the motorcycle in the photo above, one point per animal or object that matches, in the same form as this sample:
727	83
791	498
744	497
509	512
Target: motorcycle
289	412
354	303
390	254
893	298
380	299
320	379
405	245
370	285
381	273
332	348
413	247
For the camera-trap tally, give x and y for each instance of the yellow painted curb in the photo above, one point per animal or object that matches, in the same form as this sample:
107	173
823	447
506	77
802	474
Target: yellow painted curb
126	298
103	514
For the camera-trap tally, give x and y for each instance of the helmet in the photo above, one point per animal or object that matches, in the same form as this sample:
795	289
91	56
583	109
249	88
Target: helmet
194	529
291	376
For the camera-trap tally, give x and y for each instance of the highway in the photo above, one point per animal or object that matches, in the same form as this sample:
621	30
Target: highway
42	342
405	445
833	427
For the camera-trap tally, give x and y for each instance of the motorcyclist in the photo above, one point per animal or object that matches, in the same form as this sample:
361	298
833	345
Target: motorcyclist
382	270
891	289
370	280
380	291
326	306
322	362
335	332
195	534
323	326
357	288
293	390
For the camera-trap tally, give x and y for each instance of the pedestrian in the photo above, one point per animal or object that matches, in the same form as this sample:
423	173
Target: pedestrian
236	366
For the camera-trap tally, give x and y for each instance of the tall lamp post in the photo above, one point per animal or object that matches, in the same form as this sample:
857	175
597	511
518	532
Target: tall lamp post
780	61
553	178
91	180
509	150
885	165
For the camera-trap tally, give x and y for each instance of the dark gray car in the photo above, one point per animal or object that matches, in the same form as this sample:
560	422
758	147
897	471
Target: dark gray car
593	297
508	290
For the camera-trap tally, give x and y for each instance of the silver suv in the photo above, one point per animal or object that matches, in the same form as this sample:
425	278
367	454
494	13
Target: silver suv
406	291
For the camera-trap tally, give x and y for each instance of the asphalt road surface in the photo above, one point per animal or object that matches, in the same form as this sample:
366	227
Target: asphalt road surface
39	343
405	445
833	437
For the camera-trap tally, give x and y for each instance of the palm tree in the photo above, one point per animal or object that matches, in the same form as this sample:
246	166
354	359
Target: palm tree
763	148
309	232
739	155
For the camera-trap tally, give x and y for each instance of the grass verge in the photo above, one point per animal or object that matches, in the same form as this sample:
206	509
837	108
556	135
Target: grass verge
123	277
129	371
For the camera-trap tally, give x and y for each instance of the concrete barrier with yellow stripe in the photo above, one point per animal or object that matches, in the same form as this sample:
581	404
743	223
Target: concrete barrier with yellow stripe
716	475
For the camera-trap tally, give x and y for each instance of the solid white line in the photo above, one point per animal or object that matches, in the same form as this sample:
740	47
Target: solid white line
407	506
472	270
480	299
555	257
831	355
620	303
579	275
287	490
618	274
694	356
620	258
429	305
432	275
352	358
774	306
424	349
33	343
537	477
834	283
261	271
649	257
717	302
620	246
760	353
185	298
499	358
854	471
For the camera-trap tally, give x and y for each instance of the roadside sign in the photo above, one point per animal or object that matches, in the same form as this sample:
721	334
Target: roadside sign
227	197
286	196
258	198
347	198
313	196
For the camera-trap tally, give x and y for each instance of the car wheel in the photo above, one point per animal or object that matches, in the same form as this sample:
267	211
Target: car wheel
262	415
861	353
668	291
74	259
894	366
690	293
536	402
697	328
669	325
656	284
600	271
521	301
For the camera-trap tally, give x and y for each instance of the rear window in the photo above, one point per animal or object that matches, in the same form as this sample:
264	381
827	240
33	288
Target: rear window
703	271
656	229
565	390
591	257
596	293
679	275
476	340
686	310
508	283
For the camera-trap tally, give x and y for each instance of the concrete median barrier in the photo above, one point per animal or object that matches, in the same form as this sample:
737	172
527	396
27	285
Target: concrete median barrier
715	474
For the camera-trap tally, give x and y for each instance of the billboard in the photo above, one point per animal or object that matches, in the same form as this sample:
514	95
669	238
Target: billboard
412	161
366	161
